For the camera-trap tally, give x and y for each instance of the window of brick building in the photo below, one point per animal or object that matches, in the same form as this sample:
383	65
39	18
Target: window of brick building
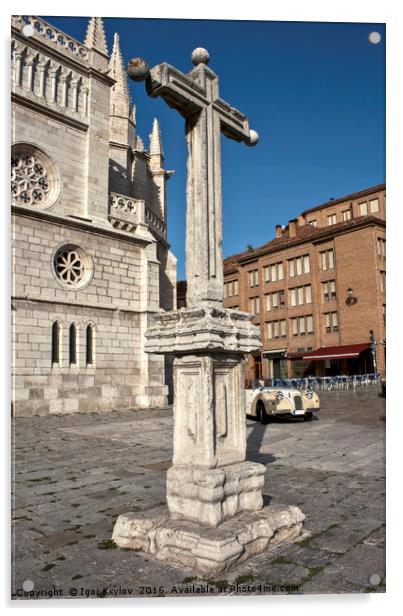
381	247
254	278
299	266
276	329
327	259
346	214
301	295
283	328
374	206
274	272
231	288
329	290
302	325
254	305
382	276
313	222
332	219
275	300
331	322
363	208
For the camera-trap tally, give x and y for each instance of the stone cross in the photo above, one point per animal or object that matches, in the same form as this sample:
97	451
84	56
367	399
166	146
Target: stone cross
214	515
195	95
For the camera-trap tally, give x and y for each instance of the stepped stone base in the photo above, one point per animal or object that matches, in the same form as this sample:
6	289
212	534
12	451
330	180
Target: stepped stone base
208	550
209	496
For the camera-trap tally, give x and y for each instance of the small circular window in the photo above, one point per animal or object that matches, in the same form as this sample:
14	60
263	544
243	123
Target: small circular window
72	266
34	180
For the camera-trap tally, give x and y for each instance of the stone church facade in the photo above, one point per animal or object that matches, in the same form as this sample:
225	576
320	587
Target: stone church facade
91	261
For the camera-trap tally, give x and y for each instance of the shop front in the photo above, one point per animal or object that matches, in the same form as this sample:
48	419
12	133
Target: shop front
340	360
276	362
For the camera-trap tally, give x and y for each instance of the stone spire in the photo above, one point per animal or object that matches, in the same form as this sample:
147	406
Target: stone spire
95	37
139	144
121	103
156	140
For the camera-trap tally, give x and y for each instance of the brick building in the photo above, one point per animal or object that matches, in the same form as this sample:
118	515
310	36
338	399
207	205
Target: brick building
91	262
317	290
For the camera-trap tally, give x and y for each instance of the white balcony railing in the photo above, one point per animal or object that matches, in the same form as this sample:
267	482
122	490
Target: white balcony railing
125	213
41	29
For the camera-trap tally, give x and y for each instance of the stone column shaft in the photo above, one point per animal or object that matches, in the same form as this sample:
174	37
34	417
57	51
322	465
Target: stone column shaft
204	268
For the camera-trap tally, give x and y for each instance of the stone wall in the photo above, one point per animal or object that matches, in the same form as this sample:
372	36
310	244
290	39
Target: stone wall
47	133
79	147
111	381
111	302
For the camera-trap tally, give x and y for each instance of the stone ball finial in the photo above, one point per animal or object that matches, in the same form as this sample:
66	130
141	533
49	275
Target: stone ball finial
253	138
200	56
138	69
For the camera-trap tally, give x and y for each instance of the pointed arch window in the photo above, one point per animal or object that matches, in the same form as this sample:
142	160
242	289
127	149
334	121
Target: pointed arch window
55	342
89	347
72	344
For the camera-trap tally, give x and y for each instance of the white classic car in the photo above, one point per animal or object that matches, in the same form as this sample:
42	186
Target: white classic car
264	402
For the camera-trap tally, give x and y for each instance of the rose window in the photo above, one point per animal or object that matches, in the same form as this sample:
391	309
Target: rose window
33	177
72	266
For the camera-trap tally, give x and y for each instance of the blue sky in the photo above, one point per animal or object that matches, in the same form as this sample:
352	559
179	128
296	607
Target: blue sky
315	92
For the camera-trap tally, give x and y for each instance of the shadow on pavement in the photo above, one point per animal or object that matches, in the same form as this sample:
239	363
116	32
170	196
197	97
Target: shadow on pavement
253	444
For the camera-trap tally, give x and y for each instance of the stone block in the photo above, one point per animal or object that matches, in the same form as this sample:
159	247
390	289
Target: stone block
209	410
210	496
70	405
207	550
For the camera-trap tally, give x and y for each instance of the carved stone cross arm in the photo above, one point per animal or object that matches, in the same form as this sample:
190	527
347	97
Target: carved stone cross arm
191	93
195	96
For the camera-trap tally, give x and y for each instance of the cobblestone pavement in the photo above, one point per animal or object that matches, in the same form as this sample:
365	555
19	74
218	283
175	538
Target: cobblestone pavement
75	474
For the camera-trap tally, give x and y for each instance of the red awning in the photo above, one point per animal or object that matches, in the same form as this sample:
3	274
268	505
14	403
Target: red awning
337	352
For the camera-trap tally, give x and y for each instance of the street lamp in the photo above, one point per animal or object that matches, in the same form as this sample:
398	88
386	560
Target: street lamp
350	300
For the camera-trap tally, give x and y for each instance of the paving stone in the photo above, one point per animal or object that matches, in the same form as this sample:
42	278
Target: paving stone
345	507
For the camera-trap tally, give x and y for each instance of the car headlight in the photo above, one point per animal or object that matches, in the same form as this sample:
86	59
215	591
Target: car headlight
279	395
309	394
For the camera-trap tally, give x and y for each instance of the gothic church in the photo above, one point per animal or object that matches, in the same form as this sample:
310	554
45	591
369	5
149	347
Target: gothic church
91	261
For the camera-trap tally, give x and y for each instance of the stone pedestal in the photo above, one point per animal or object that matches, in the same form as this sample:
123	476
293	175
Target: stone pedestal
214	516
205	550
209	481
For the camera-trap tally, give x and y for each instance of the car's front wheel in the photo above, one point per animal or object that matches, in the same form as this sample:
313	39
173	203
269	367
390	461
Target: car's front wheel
261	413
308	416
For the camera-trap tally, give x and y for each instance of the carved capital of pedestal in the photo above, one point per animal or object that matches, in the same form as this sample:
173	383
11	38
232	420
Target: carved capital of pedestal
190	330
